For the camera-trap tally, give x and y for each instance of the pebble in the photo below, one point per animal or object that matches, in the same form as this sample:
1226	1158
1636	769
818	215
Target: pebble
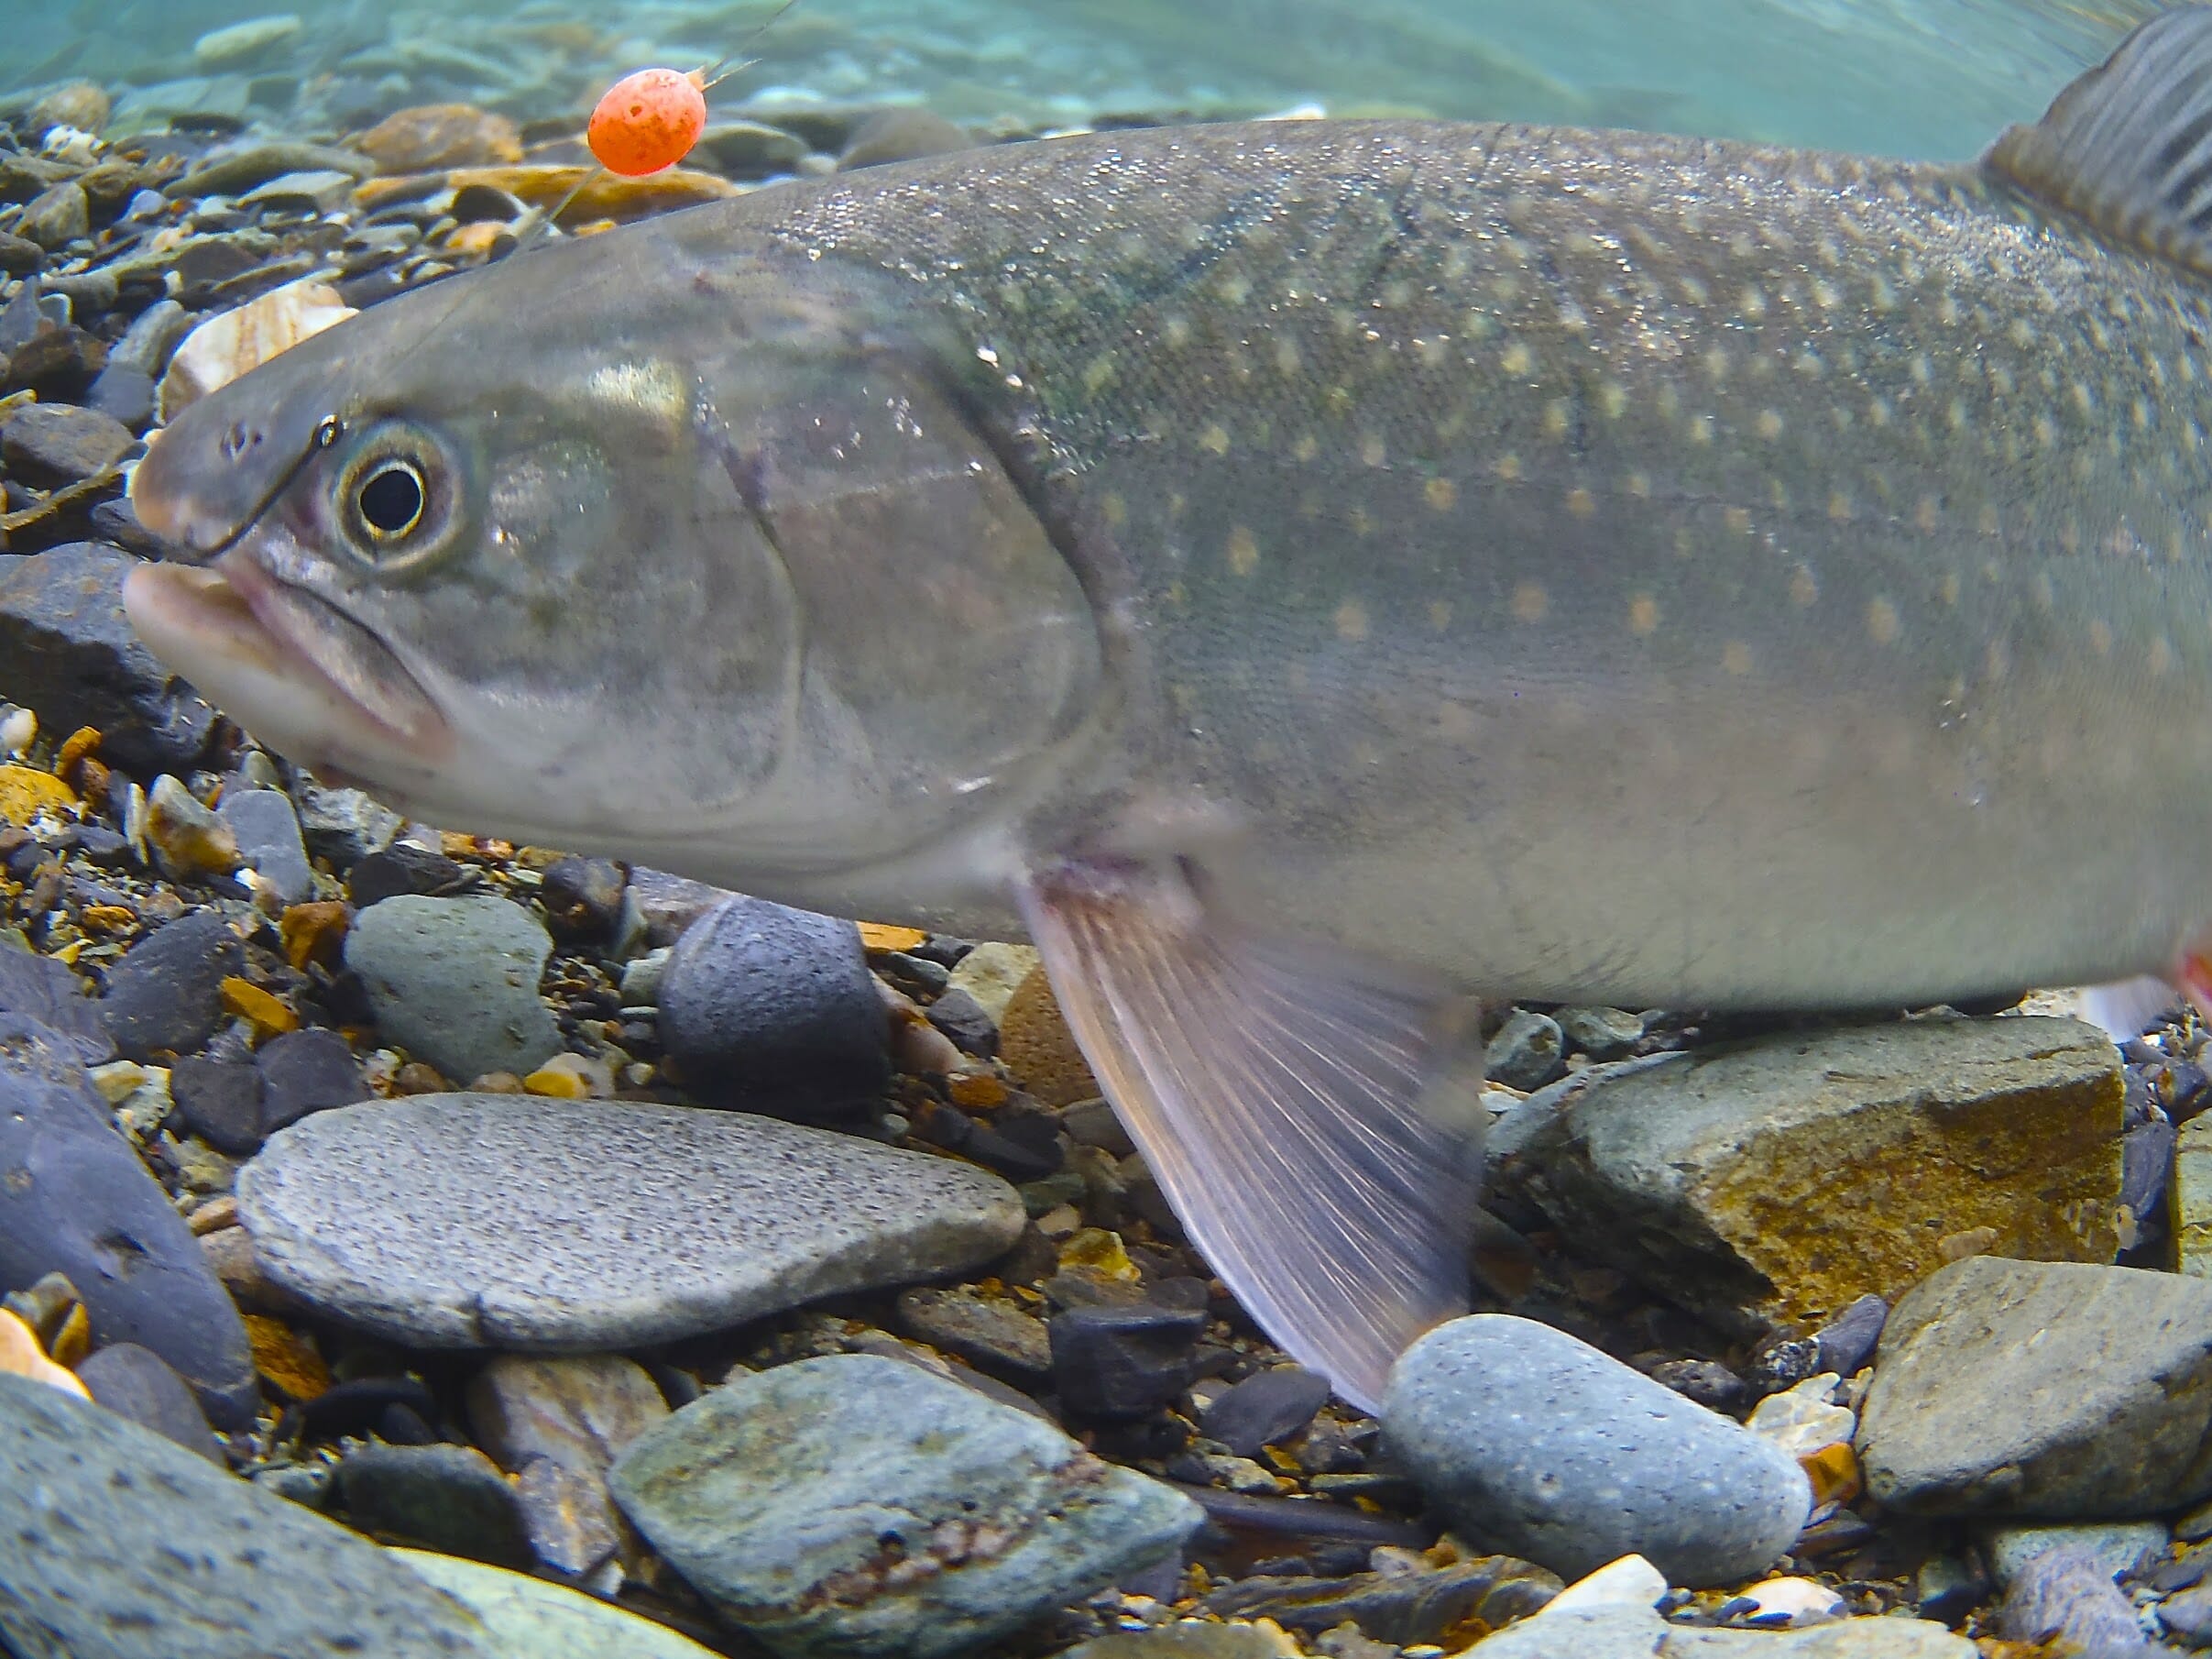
304	1071
1541	1445
527	1617
1186	1641
124	394
991	972
267	832
402	867
994	1336
774	1009
746	150
427	137
1623	1632
1803	1418
450	1497
1527	1052
1711	1384
1123	1362
220	1101
343	824
1406	1606
53	444
1763	1174
670	903
79	103
960	1017
2120	1548
219	350
166	994
169	1557
854	1506
56	217
492	1220
1037	1046
455	980
137	1383
2066	1598
901	135
39	987
575	1414
189	841
1630	1581
1847	1341
583	899
244	42
72	656
1601	1033
2188	1615
2042	1388
1800	1600
1266	1407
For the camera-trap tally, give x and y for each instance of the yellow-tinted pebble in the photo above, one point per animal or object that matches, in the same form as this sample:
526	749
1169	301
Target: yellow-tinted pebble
107	918
20	1356
1039	1050
288	1362
976	1091
571	1077
313	932
25	792
73	1341
249	1001
1835	1473
1100	1252
890	936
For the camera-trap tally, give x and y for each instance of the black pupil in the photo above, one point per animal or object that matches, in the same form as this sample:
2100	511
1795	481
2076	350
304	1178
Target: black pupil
391	500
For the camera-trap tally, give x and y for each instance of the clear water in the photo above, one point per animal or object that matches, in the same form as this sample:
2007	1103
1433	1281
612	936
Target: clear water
1925	78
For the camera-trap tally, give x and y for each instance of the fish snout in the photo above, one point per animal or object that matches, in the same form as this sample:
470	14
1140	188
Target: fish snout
206	478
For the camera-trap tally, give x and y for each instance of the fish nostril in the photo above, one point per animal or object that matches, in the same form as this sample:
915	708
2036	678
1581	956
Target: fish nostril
239	439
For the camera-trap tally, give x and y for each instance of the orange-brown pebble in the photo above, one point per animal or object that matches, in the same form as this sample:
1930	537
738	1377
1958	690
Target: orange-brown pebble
74	1342
889	936
418	1077
286	1360
313	932
602	196
25	792
1835	1474
431	136
477	239
20	1356
74	748
265	1008
647	122
1039	1050
107	918
976	1091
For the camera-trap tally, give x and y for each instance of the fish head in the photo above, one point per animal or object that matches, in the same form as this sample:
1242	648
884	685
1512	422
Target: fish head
696	560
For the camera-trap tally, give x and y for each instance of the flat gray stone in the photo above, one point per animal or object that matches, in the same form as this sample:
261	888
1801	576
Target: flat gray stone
2116	1546
509	1221
855	1507
268	833
114	1542
527	1617
455	980
1540	1445
1631	1633
2032	1388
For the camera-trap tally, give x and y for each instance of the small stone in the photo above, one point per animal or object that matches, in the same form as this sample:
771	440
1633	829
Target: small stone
343	826
166	994
189	841
992	974
79	103
901	135
430	138
855	1507
1601	1033
1411	1603
1526	1437
246	42
21	1355
266	831
220	1101
583	899
1630	1581
639	986
519	1221
1121	1362
571	1077
1804	1418
58	216
2042	1387
1623	1632
1847	1341
530	1619
1527	1053
60	444
2119	1549
402	867
1193	1640
580	1411
2188	1615
124	395
746	150
291	1365
1711	1384
992	1334
224	346
39	988
314	932
2065	1597
447	1497
316	191
304	1071
135	1382
455	980
1037	1047
260	1007
670	903
960	1017
1800	1600
774	1009
568	1518
1266	1407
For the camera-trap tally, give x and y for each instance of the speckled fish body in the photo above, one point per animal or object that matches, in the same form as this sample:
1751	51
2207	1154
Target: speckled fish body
1300	572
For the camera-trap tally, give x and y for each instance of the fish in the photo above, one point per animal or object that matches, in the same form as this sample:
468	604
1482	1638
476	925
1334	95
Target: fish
1315	580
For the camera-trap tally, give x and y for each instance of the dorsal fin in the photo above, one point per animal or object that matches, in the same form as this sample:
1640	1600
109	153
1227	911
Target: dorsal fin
2127	146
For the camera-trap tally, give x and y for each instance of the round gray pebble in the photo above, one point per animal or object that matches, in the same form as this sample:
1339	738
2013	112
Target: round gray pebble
455	980
1545	1447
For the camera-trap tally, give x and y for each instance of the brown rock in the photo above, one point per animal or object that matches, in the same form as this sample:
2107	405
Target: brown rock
1037	1046
1775	1181
603	196
434	136
77	104
57	215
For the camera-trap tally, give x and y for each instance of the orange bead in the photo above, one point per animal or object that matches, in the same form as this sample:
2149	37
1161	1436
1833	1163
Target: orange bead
647	121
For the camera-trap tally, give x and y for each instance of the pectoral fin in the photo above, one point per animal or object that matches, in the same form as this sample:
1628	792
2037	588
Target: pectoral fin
1307	1126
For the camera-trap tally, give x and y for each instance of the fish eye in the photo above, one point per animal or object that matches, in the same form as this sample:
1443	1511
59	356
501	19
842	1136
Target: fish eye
394	498
390	500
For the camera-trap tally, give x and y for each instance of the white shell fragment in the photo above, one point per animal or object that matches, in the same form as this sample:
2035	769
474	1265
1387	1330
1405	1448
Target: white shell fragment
224	348
1631	1581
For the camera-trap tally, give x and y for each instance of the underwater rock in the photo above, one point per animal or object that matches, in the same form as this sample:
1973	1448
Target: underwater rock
55	444
224	346
455	980
429	138
529	1618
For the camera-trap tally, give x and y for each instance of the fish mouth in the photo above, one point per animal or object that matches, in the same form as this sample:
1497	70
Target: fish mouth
288	664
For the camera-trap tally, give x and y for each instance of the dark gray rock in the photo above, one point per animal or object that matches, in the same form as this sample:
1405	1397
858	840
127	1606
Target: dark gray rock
75	1200
55	444
137	1383
993	1336
965	1020
1266	1407
124	394
220	1101
402	867
166	1557
455	982
2188	1614
165	995
154	334
1402	1607
303	1072
1847	1341
1711	1384
450	1497
268	832
774	1009
2033	1387
72	657
1542	1445
341	825
1123	1362
493	1220
1527	1052
39	988
583	899
855	1507
671	904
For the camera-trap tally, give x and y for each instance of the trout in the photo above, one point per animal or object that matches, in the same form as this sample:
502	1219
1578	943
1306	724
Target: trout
1304	575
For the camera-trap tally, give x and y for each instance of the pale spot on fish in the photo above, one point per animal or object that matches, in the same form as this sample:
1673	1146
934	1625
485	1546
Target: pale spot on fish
1700	429
652	389
1352	621
1927	514
1717	364
1643	614
2039	590
2046	430
1307	448
1639	485
1947	589
2160	657
1559	417
1244	551
1770	425
1114	510
1531	602
1215	439
1097	375
1287	358
1441	494
2100	637
1507	466
1517	360
1440	614
1996	662
1581	503
1736	658
1839	507
1881	620
1613	398
1176	330
1372	451
1738	519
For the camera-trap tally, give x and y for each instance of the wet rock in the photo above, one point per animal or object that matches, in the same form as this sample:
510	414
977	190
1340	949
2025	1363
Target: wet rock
992	974
1776	1181
455	982
219	350
319	192
248	42
556	1424
447	1497
1601	1033
1037	1047
220	1101
267	832
2116	1548
189	842
2192	1195
72	656
994	1336
1527	1052
568	1518
428	137
303	1072
1121	1362
153	334
1634	1633
79	103
583	899
1847	1341
56	443
2042	1389
2188	1615
1403	1607
1523	1436
19	256
488	1220
1182	1642
1803	1418
774	1010
670	903
1266	1407
856	1506
124	394
166	1557
39	988
165	995
1711	1384
746	150
403	867
343	826
137	1383
961	1018
901	135
58	216
529	1618
2065	1597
